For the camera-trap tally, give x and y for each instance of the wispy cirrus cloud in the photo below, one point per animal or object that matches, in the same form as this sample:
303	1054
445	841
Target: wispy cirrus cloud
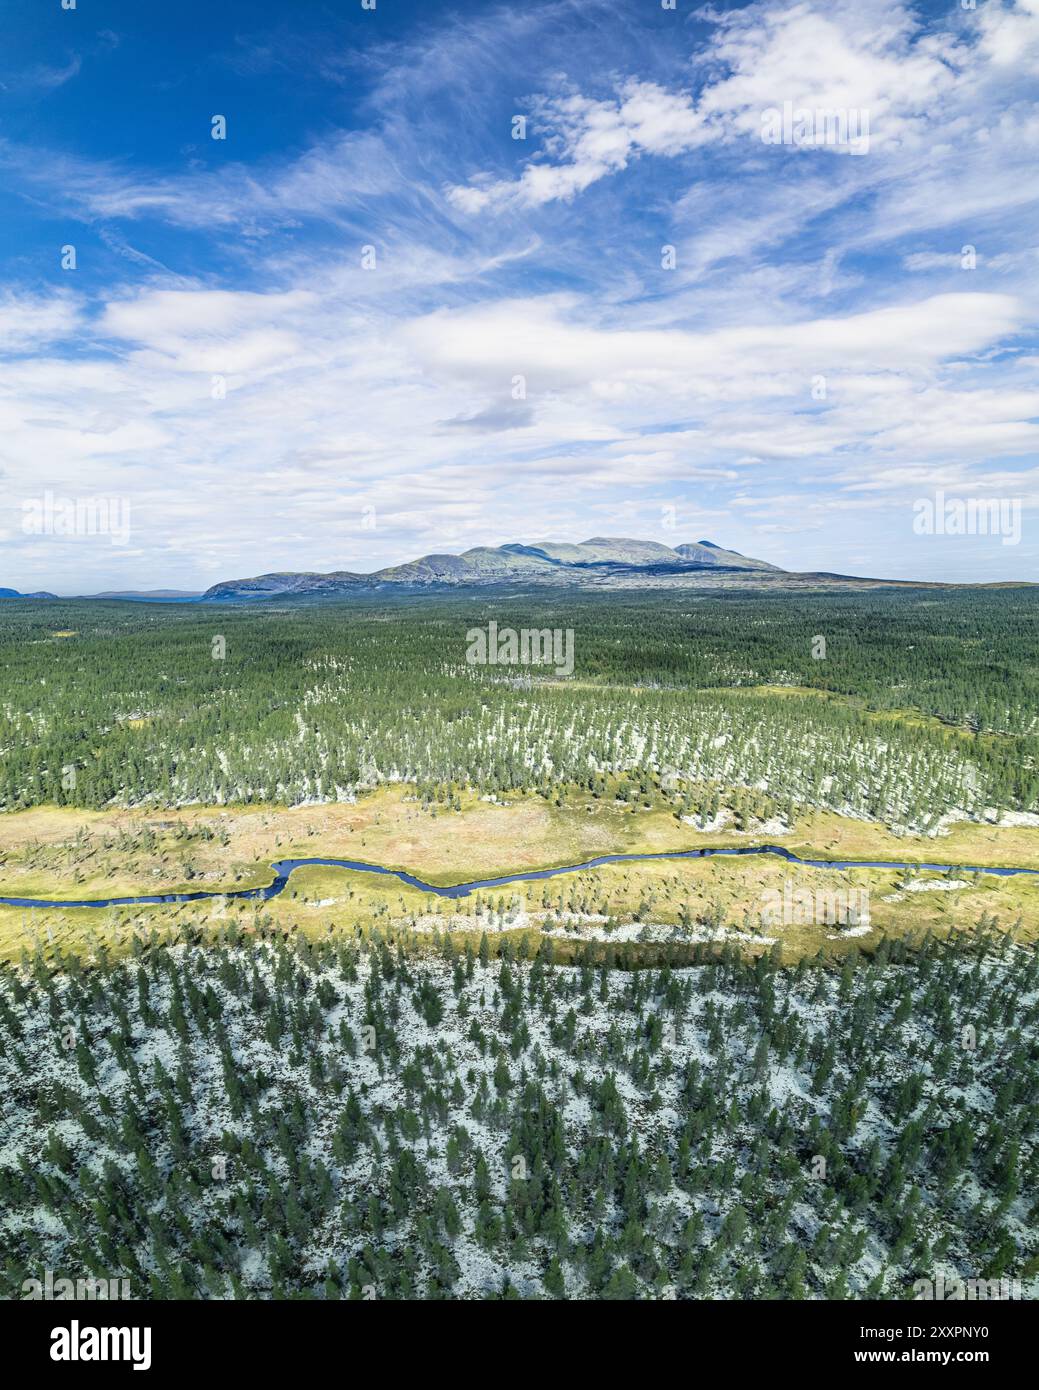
875	61
515	358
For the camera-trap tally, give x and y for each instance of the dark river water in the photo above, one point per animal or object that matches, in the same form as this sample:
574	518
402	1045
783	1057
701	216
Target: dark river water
284	867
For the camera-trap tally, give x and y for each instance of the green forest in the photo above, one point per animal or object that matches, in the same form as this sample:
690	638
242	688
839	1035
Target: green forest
902	704
259	1118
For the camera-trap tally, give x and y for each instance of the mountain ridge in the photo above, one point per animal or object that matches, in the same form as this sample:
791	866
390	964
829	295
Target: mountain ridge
539	561
601	562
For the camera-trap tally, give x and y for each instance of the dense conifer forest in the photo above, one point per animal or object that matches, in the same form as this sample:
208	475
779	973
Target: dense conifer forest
897	704
264	1118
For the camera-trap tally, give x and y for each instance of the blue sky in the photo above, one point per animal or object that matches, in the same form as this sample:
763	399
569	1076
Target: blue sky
817	355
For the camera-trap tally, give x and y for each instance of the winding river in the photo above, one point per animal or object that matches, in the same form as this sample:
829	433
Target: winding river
283	868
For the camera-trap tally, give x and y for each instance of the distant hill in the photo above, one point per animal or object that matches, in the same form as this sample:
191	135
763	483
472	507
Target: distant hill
148	595
138	595
593	561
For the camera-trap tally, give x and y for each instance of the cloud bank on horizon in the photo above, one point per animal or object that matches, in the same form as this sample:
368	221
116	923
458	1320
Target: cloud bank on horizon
468	274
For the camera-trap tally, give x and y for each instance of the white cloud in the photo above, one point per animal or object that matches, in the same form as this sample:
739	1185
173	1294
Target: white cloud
212	331
846	57
598	138
875	61
1010	35
849	58
545	340
28	320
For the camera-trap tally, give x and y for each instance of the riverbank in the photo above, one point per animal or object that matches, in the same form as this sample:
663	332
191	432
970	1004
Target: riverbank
527	858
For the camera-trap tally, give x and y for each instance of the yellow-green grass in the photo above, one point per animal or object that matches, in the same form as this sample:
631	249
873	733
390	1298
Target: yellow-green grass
39	859
321	901
661	892
41	856
824	835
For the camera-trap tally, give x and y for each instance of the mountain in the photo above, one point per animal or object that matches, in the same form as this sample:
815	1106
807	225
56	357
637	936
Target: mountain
603	562
277	585
599	560
708	554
